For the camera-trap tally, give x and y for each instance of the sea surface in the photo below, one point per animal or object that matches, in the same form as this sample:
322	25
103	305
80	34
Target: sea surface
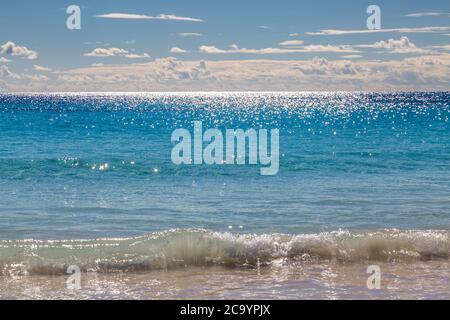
87	180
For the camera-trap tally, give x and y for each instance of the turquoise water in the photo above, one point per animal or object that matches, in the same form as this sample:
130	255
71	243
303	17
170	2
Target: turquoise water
85	166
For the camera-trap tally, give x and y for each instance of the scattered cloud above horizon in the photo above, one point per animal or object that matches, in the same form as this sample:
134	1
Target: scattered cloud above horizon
292	43
427	14
132	16
337	32
35	77
352	56
443	47
137	56
115	52
177	50
6	73
402	45
304	49
96	43
41	68
265	27
11	49
190	34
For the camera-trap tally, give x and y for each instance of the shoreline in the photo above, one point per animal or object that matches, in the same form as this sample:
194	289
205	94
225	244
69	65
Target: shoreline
420	280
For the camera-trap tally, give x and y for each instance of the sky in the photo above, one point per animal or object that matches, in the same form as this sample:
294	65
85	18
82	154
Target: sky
247	45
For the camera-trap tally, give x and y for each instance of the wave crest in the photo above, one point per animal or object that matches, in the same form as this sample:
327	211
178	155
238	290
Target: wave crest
196	247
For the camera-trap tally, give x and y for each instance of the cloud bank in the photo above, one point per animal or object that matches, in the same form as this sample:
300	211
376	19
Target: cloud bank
428	72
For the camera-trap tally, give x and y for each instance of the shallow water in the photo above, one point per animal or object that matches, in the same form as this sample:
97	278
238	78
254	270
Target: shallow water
423	280
364	178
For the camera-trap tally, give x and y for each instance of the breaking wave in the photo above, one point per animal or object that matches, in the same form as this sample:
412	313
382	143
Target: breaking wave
197	247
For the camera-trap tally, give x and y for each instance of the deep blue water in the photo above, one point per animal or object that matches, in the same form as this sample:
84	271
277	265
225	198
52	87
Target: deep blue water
88	166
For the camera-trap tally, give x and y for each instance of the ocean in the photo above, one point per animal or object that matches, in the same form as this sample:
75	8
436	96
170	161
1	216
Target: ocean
87	179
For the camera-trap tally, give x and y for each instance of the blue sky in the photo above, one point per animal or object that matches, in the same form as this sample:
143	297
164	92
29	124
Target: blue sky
229	31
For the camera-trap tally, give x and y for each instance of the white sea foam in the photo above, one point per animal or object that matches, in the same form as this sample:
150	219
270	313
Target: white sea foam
193	247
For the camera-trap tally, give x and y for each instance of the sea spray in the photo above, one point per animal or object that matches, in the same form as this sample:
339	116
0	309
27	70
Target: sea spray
196	247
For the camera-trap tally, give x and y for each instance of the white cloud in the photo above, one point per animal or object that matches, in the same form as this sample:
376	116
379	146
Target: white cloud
322	66
96	43
106	52
4	60
352	56
131	16
178	18
291	43
430	72
6	73
40	68
402	45
293	34
337	32
137	56
265	27
427	14
10	48
152	76
305	49
35	77
329	48
190	34
443	47
211	50
177	50
115	52
427	72
28	80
